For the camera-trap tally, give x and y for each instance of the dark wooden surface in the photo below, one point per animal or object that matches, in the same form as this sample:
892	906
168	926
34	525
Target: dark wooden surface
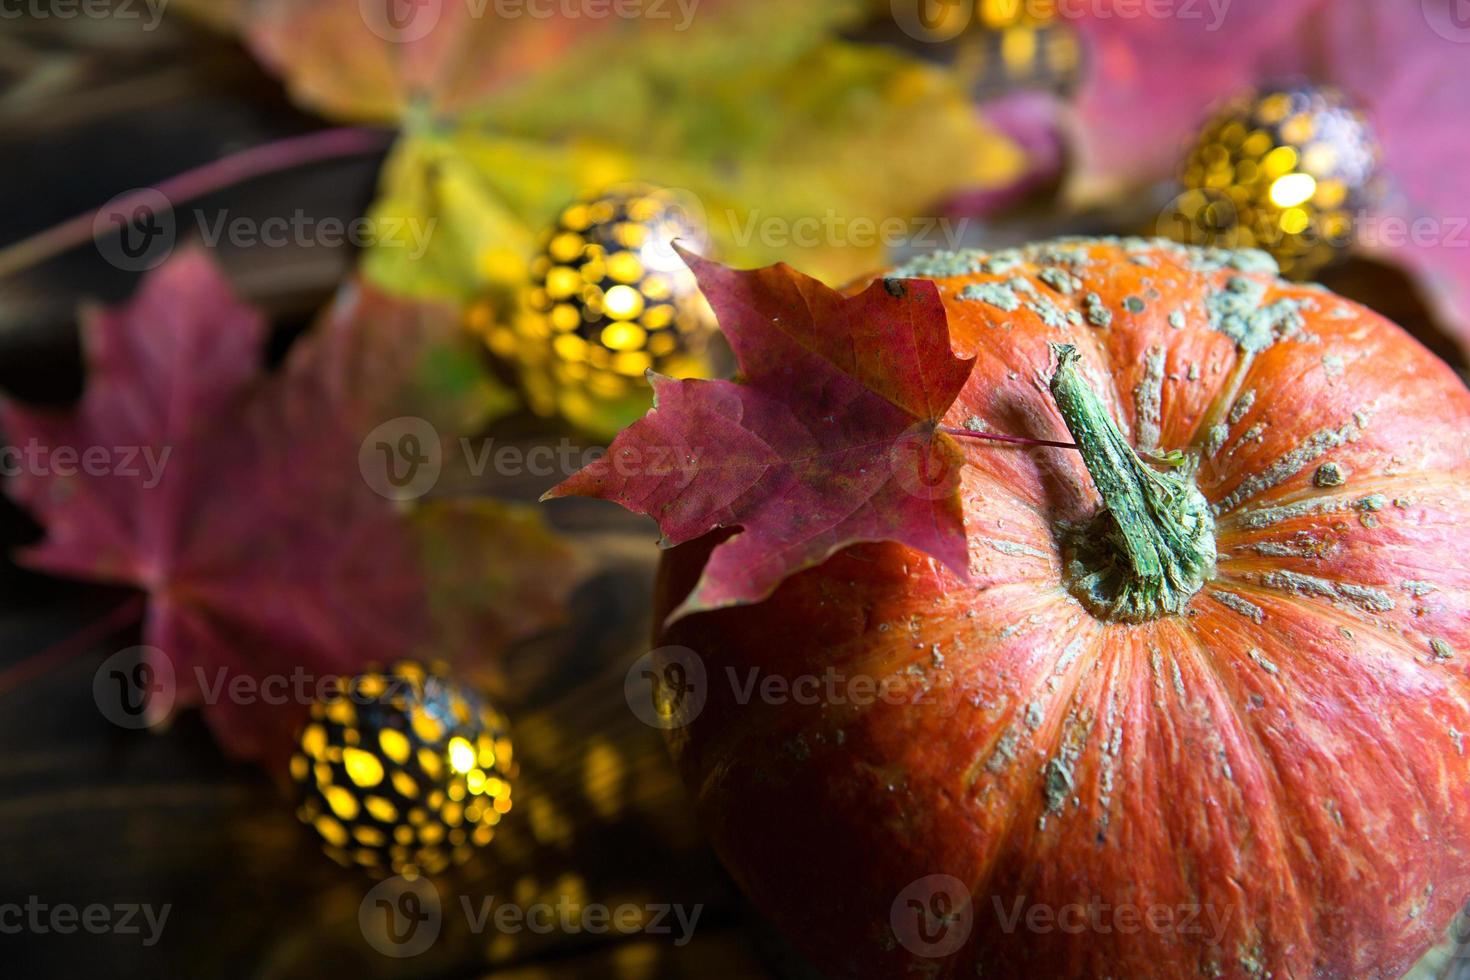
91	813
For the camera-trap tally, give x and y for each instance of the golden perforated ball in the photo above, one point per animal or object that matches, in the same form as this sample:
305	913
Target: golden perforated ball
609	299
1288	171
995	46
404	771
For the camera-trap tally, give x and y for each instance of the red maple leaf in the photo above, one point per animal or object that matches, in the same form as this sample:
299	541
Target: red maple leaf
830	437
236	501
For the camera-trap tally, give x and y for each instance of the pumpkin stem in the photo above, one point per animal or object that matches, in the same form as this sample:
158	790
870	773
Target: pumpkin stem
1152	547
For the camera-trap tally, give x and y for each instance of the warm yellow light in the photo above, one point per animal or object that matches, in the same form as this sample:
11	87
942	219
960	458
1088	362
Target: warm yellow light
394	744
624	266
426	727
363	768
461	755
381	809
1018	48
343	803
623	336
623	302
1279	161
1294	221
996	14
1292	189
332	831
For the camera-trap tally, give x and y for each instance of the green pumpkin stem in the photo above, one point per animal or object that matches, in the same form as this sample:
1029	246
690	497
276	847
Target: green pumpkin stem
1153	546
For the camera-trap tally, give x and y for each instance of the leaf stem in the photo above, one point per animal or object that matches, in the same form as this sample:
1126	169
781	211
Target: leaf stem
997	437
256	161
119	617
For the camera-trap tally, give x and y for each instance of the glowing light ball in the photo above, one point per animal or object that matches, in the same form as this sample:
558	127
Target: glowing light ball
404	771
608	300
1286	171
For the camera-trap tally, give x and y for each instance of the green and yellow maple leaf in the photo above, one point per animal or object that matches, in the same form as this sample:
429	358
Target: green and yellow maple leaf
795	146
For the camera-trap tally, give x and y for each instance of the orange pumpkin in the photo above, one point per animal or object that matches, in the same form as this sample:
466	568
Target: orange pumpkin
1210	723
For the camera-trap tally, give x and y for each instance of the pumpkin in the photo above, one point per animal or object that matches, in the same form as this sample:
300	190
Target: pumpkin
1202	709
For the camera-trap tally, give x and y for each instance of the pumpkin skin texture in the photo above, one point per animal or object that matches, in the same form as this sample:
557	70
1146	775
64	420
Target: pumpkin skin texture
1285	757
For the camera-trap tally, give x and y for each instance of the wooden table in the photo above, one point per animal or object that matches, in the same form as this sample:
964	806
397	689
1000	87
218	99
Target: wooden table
91	813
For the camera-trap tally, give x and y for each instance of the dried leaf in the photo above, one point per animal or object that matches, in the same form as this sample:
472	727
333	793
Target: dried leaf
822	159
828	439
790	144
257	538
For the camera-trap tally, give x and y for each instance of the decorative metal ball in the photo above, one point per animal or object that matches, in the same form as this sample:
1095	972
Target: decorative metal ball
997	46
404	771
1286	171
608	299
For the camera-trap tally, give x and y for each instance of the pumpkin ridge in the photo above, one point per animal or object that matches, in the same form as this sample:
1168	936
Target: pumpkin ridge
1349	494
1322	609
1034	787
1249	634
988	750
1264	760
733	740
